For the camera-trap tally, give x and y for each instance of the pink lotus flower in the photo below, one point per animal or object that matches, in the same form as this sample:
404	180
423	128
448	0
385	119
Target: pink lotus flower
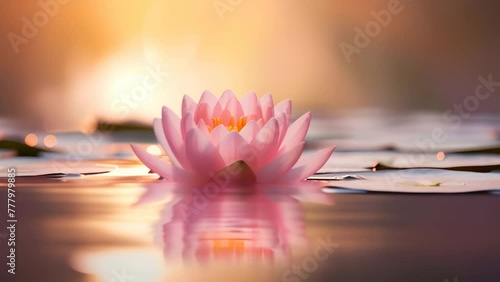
213	134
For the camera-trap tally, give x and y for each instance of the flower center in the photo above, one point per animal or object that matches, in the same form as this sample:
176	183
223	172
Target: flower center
232	125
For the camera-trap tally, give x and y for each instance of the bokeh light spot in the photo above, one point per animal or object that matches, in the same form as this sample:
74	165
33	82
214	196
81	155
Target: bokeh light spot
154	150
440	156
31	140
50	141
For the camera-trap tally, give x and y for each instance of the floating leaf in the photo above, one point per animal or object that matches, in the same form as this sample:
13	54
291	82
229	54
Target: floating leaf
421	181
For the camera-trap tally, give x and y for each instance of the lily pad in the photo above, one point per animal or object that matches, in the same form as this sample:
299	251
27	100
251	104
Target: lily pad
421	181
363	161
29	167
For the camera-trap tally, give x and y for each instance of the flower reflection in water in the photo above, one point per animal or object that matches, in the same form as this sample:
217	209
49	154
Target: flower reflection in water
249	233
256	223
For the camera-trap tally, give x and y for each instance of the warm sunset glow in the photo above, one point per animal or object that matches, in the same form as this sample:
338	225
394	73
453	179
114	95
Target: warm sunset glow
31	140
50	141
88	125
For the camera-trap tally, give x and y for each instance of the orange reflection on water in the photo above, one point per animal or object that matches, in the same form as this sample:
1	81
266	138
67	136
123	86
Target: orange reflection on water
232	249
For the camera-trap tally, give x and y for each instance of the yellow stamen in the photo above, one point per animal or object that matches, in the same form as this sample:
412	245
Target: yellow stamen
232	124
216	121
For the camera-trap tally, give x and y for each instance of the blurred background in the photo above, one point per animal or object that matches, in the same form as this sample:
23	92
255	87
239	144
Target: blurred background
66	64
